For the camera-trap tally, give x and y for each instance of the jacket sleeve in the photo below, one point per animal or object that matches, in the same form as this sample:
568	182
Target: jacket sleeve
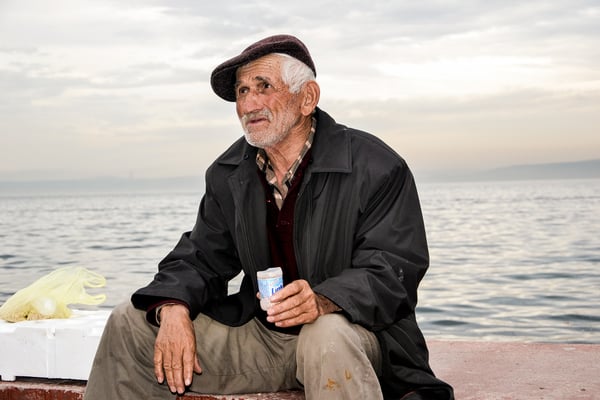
198	269
389	256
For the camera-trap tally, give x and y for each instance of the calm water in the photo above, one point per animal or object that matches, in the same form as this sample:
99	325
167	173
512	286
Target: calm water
509	260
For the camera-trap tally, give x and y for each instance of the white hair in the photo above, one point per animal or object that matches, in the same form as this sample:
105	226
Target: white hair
294	72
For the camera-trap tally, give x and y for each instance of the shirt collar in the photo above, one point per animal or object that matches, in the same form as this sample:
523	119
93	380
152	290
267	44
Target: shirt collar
264	165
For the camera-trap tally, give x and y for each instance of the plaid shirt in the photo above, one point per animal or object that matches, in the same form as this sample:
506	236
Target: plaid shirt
264	164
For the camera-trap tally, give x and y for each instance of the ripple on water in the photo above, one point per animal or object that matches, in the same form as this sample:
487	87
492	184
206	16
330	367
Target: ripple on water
509	260
576	317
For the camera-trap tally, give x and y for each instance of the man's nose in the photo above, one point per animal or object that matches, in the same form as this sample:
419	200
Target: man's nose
250	102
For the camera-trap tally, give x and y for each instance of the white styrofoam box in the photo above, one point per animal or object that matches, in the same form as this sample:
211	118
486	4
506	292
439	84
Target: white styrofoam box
52	348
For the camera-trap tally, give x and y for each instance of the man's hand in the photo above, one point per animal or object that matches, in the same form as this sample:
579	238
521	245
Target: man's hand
175	348
297	304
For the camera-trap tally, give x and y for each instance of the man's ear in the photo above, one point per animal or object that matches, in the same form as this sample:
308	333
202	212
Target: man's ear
311	93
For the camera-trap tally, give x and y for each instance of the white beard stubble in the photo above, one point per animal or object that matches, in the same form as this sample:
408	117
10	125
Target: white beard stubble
275	133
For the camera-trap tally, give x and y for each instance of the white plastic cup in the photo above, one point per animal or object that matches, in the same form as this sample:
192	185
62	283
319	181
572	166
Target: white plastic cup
270	281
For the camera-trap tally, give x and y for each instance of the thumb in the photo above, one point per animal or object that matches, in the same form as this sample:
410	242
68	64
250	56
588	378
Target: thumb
197	367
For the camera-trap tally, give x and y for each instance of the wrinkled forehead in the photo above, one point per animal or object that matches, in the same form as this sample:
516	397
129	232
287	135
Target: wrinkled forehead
264	68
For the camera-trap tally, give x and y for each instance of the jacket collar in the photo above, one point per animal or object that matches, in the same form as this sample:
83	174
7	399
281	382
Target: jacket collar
331	148
331	151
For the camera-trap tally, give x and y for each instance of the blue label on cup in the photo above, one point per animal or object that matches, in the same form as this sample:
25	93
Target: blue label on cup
269	286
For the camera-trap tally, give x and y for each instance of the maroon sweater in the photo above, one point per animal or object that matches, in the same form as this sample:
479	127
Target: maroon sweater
280	231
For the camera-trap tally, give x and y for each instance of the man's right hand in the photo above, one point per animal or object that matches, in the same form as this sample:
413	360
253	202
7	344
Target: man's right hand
175	348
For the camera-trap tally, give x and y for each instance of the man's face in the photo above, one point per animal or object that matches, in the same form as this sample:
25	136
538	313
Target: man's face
267	110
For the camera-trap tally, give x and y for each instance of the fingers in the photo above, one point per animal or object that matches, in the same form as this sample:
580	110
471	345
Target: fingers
190	365
174	377
290	290
169	366
197	367
296	305
291	318
158	363
178	374
175	358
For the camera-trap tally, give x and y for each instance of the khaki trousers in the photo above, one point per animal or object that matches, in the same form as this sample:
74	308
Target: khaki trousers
329	359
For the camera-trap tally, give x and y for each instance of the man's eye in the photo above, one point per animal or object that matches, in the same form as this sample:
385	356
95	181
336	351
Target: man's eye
242	90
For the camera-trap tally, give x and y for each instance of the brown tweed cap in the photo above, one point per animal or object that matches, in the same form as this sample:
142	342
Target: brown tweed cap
222	79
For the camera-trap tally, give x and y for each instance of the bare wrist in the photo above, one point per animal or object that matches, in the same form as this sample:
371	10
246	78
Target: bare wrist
166	306
326	306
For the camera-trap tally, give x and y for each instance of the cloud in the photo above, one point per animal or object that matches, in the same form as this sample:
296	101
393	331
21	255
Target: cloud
522	126
83	81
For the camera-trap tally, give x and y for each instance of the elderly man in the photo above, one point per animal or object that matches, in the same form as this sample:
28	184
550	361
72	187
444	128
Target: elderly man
335	208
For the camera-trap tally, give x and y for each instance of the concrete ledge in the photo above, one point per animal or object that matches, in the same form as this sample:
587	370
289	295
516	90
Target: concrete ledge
508	370
476	370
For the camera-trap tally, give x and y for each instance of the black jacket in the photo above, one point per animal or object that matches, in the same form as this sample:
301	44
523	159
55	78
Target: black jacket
359	240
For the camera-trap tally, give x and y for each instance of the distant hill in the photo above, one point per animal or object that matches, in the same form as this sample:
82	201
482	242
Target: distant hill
567	170
191	184
195	184
587	169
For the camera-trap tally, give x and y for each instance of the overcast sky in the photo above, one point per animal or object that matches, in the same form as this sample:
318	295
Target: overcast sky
121	88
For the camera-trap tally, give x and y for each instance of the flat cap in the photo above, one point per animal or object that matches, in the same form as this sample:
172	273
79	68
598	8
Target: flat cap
223	77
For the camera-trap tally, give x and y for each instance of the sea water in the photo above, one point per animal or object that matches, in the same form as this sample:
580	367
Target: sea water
515	260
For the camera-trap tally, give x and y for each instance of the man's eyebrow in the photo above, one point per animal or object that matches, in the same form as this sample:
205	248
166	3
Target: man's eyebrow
262	79
256	78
